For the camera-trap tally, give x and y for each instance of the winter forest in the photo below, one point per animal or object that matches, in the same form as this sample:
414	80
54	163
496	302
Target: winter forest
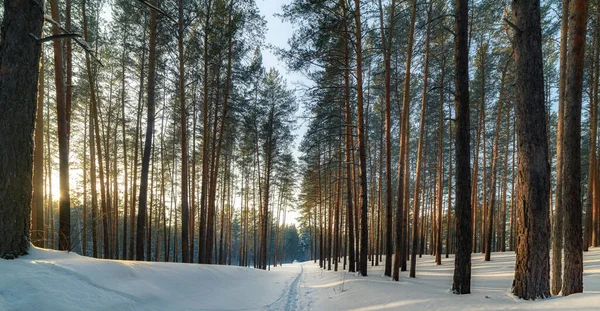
371	155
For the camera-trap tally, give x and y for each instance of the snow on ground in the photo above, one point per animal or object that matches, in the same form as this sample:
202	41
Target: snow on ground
52	280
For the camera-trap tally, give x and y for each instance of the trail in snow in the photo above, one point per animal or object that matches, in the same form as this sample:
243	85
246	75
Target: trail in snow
51	280
293	293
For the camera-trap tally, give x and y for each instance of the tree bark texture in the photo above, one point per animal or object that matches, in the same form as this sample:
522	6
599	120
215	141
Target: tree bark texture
19	64
533	176
462	263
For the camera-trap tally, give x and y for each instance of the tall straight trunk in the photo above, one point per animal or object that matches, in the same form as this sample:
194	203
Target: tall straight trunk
185	239
69	67
512	185
115	218
269	150
338	199
387	53
475	184
106	134
361	144
402	208
415	237
490	210
96	126
591	234
596	199
557	221
64	223
216	159
349	148
571	143
68	100
141	220
484	197
505	182
449	211
136	153
532	266
330	188
84	238
162	185
462	263
440	171
204	182
125	151
19	60
37	204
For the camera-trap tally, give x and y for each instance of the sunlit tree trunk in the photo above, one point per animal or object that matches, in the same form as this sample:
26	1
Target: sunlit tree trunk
37	204
571	143
64	228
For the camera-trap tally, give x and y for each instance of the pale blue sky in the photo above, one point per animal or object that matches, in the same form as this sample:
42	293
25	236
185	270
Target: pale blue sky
277	34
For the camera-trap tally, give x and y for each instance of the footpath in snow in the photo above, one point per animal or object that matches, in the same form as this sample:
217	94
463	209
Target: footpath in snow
51	280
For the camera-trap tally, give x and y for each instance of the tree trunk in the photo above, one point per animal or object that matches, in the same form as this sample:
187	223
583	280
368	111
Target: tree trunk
349	148
590	237
64	228
490	217
387	53
361	144
571	144
19	58
402	207
505	181
557	221
462	264
449	212
141	220
96	127
125	151
184	142
440	172
37	204
415	237
533	181
204	182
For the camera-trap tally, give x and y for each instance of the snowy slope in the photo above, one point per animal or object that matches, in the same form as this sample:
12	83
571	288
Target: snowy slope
51	280
490	288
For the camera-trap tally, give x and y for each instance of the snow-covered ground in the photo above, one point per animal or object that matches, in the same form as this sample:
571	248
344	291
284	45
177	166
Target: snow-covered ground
51	280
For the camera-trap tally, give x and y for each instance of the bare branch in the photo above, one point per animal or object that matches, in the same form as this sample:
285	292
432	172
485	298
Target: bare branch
158	10
82	43
56	37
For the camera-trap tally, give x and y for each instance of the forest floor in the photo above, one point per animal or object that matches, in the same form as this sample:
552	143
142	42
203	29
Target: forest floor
52	280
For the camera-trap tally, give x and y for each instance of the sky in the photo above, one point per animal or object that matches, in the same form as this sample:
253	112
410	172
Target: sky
277	34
